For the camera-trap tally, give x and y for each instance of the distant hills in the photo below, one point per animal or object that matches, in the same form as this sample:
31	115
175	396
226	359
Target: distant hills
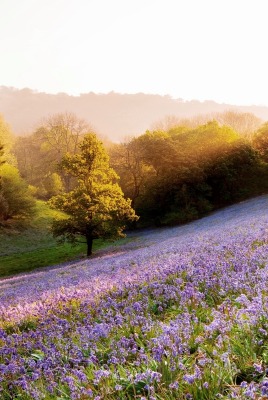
113	115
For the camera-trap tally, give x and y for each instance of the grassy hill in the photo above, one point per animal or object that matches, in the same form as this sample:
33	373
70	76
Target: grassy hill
27	249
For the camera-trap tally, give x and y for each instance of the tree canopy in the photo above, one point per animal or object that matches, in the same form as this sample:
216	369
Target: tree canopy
16	201
96	207
180	174
39	154
260	141
6	142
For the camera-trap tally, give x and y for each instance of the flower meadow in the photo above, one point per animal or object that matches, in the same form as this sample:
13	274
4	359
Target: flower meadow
178	313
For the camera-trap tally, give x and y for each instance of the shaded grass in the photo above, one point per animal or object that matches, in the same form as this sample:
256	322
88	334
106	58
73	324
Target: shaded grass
27	261
23	250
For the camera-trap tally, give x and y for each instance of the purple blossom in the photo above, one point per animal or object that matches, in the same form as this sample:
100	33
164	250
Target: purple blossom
258	368
250	391
189	378
264	387
174	385
148	376
100	374
101	320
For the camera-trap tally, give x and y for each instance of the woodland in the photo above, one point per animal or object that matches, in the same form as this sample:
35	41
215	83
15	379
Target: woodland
166	176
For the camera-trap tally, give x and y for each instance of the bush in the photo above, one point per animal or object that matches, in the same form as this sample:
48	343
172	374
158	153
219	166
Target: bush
15	197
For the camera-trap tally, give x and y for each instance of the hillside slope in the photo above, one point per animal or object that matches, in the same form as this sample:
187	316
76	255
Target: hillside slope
177	313
145	246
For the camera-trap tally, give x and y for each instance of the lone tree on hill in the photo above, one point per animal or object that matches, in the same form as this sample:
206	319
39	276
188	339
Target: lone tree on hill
96	207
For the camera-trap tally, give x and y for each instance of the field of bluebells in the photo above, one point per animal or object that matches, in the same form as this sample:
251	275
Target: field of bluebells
179	313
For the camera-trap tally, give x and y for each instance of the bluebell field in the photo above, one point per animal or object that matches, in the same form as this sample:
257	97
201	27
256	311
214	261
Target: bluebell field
179	313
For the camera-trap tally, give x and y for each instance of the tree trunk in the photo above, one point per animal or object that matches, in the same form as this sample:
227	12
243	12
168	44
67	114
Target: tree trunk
89	245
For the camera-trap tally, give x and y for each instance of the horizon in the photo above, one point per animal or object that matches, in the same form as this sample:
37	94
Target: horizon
180	99
114	115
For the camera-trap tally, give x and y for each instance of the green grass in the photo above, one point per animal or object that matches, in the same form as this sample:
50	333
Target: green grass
34	247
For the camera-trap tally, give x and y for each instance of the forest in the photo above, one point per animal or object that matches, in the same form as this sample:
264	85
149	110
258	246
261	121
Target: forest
171	175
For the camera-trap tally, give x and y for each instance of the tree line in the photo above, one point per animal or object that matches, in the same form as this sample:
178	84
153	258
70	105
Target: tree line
168	175
178	175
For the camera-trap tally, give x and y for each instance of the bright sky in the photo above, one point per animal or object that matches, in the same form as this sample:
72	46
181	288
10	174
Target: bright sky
189	49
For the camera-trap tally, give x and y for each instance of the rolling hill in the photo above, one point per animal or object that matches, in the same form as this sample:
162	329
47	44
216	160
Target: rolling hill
113	115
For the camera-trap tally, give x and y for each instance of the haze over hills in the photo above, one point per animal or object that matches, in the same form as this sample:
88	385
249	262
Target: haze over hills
113	115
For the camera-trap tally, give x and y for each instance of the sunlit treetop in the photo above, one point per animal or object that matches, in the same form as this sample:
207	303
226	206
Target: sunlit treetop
96	207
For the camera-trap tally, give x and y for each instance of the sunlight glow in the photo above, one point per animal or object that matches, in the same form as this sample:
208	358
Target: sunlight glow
185	48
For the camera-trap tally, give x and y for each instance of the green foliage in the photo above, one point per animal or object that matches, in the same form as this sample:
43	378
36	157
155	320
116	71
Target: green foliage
15	197
179	175
34	246
96	206
6	142
53	184
5	156
128	160
39	154
260	142
229	175
170	176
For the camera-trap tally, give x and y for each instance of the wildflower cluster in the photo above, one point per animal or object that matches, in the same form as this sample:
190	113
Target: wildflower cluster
182	316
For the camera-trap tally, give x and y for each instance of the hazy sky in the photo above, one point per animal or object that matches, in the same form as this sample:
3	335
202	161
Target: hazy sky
189	49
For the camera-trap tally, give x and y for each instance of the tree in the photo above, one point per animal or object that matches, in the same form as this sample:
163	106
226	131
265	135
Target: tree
244	123
62	133
170	175
16	200
32	162
166	123
260	141
6	141
2	161
39	154
53	184
127	160
96	207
